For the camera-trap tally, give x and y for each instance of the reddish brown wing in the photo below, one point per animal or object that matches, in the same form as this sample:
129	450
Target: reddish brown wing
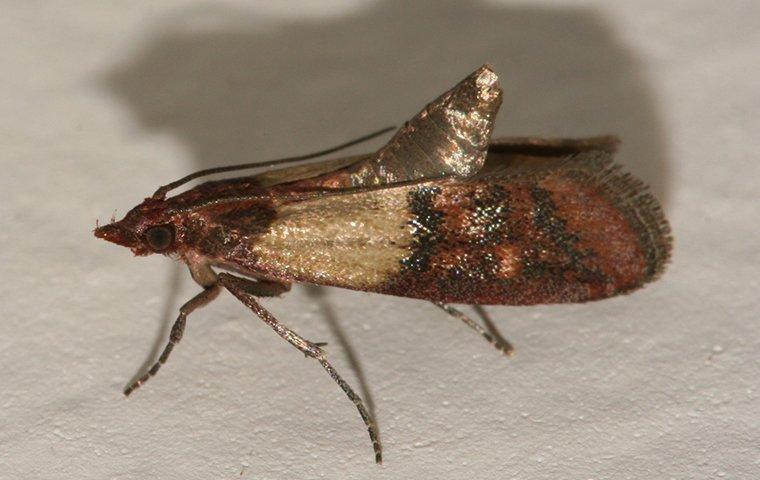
532	229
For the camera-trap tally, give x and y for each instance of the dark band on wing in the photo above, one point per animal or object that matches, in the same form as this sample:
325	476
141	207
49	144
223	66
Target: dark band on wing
425	226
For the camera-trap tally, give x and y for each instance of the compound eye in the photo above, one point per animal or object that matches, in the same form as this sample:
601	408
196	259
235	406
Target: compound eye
159	238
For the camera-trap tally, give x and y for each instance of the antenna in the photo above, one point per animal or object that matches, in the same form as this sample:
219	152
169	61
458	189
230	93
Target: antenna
160	194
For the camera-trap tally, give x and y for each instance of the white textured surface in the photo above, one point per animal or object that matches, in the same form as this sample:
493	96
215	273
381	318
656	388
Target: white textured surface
100	102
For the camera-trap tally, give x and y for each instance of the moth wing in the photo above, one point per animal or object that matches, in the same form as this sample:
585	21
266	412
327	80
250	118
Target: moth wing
449	137
585	168
525	230
515	156
531	229
547	147
582	181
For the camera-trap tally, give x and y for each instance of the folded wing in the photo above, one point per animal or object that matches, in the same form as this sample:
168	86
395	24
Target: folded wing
449	137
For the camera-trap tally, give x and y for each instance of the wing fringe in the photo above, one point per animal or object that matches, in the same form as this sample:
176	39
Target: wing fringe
632	198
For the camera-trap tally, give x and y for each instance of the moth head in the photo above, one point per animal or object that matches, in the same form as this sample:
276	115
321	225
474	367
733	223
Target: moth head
146	229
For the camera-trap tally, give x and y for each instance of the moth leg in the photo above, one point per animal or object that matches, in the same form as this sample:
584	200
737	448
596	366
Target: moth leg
268	288
492	328
497	341
242	288
203	298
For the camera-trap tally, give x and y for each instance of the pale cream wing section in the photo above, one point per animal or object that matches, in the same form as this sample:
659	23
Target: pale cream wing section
350	240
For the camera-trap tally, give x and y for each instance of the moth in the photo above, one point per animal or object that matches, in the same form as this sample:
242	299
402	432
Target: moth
440	213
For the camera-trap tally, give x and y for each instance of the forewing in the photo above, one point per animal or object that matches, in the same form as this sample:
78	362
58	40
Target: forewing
543	230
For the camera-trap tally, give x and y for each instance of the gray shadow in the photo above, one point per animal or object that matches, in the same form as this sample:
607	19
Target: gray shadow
233	90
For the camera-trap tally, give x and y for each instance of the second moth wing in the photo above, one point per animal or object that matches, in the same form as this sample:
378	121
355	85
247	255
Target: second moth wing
449	137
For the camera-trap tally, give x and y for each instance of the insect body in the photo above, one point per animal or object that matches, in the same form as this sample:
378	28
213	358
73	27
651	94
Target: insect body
440	213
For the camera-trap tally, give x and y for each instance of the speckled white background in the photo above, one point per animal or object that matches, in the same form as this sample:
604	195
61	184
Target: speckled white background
100	102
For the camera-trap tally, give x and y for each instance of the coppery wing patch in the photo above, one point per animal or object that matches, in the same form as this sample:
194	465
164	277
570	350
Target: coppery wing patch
449	137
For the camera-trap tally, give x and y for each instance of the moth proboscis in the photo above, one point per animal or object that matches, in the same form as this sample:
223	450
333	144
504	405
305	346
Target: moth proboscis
441	213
